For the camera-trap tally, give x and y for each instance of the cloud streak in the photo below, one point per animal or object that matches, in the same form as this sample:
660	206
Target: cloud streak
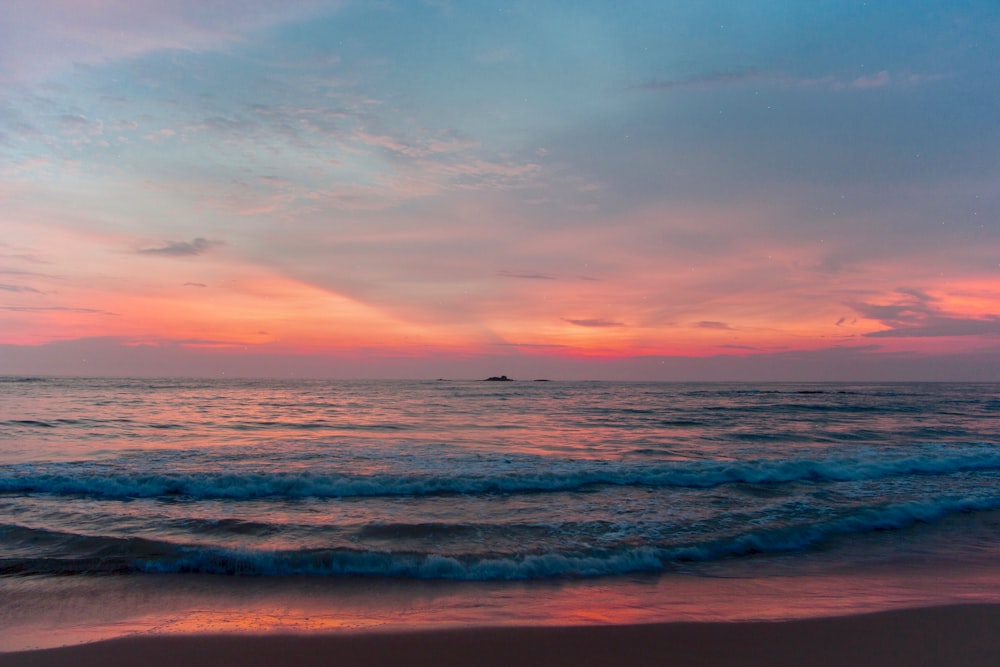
191	248
526	275
915	314
45	36
778	79
709	324
594	323
55	309
19	288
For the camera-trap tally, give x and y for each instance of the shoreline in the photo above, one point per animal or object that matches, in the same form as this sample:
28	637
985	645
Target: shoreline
967	635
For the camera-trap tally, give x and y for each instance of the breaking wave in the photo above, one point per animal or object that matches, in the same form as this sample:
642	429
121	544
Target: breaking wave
492	476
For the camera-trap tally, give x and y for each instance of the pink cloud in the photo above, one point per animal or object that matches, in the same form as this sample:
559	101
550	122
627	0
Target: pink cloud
40	37
419	145
877	80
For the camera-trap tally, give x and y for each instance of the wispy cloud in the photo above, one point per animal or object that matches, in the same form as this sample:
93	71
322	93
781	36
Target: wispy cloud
877	80
939	326
880	79
526	275
916	314
182	248
49	35
539	346
711	80
54	309
709	324
596	322
207	342
417	146
19	288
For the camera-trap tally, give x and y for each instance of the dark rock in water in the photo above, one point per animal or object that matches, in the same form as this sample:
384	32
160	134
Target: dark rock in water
502	378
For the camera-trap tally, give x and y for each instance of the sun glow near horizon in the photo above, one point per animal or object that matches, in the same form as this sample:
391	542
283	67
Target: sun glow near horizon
312	180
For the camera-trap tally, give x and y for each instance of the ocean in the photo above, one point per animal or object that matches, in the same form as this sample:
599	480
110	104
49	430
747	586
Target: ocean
162	505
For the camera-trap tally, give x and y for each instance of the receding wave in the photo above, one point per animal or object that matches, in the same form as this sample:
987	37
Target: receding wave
65	553
496	476
806	536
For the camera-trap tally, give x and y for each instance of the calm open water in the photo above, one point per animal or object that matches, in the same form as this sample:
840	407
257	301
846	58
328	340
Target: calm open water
346	489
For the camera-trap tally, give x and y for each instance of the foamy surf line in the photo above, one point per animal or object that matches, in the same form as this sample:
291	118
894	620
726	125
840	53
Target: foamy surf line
956	635
49	611
94	555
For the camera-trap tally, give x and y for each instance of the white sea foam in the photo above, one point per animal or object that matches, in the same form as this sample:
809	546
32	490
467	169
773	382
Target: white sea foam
78	553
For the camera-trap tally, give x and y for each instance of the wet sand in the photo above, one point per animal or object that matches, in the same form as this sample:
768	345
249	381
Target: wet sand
967	635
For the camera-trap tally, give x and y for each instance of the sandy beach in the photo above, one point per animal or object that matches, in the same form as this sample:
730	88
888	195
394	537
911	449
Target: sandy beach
966	635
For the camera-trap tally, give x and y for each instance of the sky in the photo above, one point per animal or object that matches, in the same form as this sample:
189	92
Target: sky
674	190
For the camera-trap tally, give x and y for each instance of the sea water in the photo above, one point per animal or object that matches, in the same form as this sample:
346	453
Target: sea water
136	504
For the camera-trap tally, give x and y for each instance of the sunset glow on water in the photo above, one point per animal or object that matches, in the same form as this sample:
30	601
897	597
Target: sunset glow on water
739	263
370	504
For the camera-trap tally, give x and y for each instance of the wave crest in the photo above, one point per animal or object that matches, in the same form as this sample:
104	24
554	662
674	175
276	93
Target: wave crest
490	476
